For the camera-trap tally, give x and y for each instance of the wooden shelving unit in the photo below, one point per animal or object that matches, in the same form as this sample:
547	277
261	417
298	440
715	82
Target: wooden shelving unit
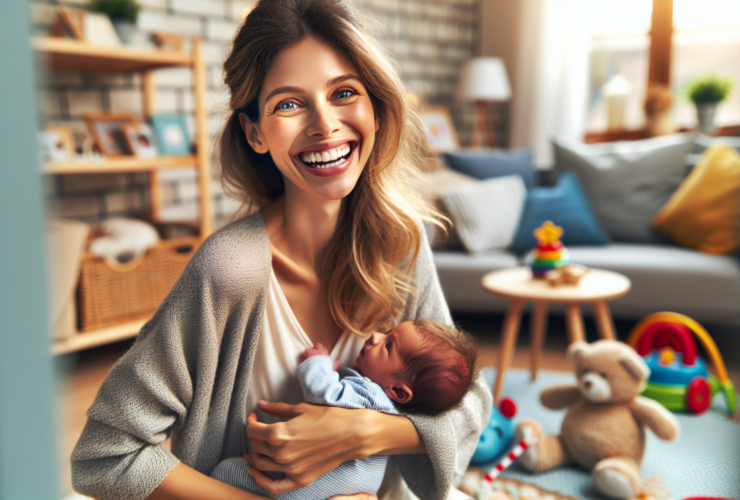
117	165
74	55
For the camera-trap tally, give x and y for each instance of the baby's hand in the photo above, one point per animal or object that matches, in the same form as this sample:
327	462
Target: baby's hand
316	350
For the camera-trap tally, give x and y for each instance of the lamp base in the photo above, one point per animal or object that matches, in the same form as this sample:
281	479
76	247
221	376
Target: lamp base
481	136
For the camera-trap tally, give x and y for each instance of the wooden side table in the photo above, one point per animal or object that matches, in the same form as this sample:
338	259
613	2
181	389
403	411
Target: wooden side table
517	284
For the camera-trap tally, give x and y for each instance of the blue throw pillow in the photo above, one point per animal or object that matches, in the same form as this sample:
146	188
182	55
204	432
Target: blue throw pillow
567	206
487	164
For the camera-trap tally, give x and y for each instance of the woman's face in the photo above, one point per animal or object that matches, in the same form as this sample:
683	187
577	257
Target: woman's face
316	120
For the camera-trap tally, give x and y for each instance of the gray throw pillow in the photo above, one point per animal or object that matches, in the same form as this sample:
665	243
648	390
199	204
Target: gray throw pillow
486	214
627	182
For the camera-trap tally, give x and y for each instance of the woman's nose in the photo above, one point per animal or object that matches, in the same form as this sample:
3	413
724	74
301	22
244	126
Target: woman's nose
324	121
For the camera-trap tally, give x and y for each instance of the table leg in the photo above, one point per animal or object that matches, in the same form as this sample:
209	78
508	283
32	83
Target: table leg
537	334
575	323
511	329
604	320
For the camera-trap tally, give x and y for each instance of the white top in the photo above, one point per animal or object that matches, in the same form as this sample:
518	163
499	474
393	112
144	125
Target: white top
517	283
280	351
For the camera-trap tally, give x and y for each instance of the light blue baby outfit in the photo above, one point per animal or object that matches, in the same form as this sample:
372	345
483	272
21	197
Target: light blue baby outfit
322	385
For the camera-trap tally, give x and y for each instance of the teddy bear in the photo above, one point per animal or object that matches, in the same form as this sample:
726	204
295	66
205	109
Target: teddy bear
604	428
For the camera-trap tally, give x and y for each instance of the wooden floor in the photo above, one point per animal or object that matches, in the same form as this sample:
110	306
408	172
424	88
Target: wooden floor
81	374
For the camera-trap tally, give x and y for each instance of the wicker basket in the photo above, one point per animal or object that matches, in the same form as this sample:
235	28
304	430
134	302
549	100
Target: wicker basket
111	293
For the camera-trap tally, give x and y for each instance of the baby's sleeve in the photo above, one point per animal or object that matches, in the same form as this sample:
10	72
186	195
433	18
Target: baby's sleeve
324	386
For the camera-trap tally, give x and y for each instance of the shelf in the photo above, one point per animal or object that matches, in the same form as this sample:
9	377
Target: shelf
119	164
68	54
97	338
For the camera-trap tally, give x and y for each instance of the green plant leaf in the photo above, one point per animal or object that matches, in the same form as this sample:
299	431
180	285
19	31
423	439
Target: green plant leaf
116	9
709	88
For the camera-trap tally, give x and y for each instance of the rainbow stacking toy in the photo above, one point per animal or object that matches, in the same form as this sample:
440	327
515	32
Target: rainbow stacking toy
550	254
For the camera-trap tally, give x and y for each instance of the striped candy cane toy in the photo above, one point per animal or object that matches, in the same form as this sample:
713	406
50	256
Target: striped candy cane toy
515	453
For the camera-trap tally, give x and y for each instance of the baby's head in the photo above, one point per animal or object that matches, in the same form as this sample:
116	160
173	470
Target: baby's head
424	366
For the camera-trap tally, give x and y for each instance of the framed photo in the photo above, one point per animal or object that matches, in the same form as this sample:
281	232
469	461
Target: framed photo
172	134
107	131
440	129
140	140
91	27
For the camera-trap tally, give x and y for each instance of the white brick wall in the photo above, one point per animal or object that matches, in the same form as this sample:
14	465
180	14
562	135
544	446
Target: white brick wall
429	38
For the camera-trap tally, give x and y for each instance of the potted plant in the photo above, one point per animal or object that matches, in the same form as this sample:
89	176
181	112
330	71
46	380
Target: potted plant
706	91
122	13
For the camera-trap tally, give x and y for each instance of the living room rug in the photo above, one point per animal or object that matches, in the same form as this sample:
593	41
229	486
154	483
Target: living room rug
704	461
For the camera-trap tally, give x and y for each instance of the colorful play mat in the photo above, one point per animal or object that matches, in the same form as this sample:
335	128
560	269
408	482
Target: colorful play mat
704	461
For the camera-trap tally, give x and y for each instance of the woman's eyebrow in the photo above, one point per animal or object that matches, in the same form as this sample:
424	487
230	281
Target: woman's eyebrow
283	90
342	78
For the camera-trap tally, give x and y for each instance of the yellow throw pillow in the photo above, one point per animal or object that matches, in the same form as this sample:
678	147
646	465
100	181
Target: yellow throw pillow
704	212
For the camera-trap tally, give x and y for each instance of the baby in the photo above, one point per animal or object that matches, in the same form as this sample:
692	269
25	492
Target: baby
420	367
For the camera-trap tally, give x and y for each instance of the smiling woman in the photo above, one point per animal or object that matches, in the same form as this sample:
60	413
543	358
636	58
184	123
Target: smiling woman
322	141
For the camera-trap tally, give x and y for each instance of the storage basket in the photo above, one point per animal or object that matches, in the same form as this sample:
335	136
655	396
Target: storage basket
112	293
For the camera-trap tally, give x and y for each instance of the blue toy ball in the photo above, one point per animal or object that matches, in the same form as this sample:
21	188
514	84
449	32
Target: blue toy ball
498	436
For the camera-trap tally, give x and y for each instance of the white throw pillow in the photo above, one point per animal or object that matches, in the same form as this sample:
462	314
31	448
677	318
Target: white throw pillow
486	213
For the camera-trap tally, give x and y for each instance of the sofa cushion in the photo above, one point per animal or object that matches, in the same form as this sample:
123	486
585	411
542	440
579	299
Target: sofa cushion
486	164
429	187
704	213
628	181
486	214
669	278
460	275
567	206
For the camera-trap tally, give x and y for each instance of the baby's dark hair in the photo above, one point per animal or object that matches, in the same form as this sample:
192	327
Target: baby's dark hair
441	371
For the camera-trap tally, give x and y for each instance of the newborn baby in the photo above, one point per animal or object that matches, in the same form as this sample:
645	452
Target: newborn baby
420	367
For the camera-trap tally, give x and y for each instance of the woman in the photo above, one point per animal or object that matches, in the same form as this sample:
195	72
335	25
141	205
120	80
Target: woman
321	139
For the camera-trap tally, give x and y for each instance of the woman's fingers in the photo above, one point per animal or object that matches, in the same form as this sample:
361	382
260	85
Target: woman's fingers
274	486
282	410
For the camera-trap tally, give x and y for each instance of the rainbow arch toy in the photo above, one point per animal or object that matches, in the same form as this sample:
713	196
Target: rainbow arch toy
678	377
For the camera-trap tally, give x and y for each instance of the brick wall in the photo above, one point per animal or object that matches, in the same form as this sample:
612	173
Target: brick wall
430	40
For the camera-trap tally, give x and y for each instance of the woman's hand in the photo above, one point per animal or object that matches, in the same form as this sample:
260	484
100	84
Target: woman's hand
316	439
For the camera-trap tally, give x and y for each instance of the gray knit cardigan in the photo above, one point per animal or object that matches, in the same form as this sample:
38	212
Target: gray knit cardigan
188	372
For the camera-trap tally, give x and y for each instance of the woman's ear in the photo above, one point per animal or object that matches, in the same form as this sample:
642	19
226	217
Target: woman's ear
377	121
254	134
399	393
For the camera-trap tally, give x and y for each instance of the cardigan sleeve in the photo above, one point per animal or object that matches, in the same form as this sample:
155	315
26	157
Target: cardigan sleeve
163	384
451	437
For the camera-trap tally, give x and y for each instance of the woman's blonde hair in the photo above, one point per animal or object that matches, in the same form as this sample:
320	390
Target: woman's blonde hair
377	238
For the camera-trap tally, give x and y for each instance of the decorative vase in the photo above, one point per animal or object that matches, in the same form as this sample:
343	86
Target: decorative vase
705	116
125	29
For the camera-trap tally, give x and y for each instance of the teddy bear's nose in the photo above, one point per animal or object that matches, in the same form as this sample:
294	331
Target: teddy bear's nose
587	383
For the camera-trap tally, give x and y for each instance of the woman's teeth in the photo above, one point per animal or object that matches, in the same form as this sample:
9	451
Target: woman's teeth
328	158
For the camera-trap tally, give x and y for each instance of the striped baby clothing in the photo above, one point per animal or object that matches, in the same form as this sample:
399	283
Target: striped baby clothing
322	385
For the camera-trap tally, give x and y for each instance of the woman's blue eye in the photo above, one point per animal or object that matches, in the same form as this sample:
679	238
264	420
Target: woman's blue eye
286	106
388	346
344	94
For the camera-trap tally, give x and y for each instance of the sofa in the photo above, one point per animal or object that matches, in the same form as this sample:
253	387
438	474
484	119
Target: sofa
664	275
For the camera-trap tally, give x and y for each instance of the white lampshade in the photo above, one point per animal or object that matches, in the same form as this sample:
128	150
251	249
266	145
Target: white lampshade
483	79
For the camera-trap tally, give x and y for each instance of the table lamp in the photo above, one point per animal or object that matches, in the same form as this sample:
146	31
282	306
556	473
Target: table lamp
483	80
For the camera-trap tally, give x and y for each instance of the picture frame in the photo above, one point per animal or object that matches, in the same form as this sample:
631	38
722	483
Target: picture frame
91	27
172	42
440	129
140	140
171	132
106	130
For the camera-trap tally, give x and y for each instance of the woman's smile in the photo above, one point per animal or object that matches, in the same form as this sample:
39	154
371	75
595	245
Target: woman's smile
328	159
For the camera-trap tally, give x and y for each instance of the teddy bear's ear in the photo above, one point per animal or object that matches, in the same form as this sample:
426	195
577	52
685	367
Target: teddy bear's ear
577	351
636	368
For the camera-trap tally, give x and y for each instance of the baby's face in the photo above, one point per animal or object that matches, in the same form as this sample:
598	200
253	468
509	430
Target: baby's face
380	357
